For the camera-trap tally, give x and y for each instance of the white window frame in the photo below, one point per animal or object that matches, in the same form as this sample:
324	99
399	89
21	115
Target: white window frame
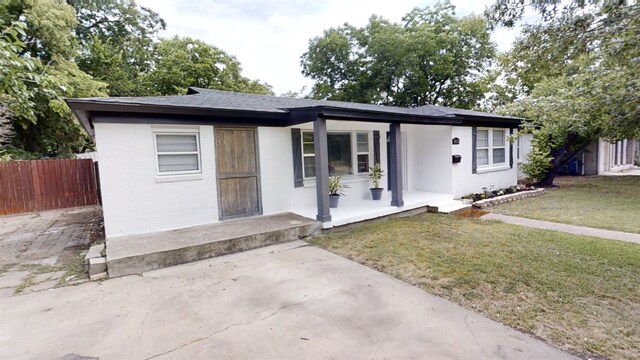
490	147
368	152
305	155
354	151
194	132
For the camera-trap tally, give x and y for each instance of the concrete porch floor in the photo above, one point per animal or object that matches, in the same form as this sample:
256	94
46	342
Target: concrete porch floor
353	209
135	254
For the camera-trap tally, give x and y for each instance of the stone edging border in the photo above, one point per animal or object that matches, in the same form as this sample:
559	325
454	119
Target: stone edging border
508	198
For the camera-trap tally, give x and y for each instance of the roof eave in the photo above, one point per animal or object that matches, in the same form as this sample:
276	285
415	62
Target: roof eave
301	115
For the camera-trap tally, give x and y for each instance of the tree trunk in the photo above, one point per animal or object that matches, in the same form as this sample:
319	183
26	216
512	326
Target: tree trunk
560	159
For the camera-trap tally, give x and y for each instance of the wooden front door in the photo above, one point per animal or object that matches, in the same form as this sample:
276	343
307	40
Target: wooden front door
238	172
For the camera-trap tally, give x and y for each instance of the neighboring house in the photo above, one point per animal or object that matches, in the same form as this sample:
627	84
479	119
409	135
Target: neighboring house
178	161
599	158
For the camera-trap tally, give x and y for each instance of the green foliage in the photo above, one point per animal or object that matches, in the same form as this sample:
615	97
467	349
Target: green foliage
431	54
50	50
336	186
184	62
38	45
16	74
573	76
117	42
375	174
539	160
120	46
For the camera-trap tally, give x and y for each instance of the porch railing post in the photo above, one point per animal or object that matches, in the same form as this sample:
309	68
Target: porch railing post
395	164
322	168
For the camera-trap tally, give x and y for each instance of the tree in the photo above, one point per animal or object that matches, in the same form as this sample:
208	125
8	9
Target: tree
39	34
431	54
117	44
573	76
184	62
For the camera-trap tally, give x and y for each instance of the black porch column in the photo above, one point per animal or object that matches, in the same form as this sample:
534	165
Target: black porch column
395	165
322	168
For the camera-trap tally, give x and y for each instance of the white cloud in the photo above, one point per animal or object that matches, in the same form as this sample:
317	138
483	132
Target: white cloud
269	36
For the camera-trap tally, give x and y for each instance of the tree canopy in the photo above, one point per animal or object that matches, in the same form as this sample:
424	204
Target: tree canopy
573	76
183	62
118	44
51	50
432	54
39	47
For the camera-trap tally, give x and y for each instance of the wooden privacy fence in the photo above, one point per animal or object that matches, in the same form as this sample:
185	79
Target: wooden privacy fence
46	184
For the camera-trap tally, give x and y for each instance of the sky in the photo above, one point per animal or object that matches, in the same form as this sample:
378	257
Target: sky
269	36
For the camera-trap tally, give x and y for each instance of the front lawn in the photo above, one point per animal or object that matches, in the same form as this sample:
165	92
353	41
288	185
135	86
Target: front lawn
578	293
606	202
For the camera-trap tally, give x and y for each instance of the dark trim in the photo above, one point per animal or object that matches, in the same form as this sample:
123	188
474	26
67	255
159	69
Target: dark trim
490	122
296	145
474	153
395	168
299	114
376	147
510	148
321	148
171	119
127	108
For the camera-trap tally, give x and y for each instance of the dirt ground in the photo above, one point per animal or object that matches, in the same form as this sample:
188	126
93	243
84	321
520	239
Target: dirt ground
43	250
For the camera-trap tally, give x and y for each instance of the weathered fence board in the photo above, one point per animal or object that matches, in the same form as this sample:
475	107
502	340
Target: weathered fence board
36	185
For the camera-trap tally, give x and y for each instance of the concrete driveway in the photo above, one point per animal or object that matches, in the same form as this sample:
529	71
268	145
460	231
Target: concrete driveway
287	301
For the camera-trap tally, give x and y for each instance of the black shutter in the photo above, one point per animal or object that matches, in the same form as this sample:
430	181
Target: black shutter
510	148
474	154
296	146
376	147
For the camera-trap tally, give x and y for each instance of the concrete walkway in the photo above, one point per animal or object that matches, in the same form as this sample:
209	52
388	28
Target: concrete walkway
571	229
286	301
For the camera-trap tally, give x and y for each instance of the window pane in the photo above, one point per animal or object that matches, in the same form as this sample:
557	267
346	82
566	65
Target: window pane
309	166
176	143
498	137
498	156
307	137
308	148
339	153
363	163
482	138
363	142
168	163
482	157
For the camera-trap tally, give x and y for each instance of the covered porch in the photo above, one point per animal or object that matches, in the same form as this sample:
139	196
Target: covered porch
354	209
396	198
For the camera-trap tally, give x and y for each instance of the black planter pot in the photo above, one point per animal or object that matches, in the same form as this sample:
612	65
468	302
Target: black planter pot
376	193
333	201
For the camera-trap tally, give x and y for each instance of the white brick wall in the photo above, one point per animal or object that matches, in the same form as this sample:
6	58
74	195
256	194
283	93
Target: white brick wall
133	201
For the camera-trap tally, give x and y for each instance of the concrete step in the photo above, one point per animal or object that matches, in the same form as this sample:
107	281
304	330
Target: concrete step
135	254
452	206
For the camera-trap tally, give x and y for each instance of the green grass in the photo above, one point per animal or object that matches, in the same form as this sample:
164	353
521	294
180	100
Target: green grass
606	202
578	293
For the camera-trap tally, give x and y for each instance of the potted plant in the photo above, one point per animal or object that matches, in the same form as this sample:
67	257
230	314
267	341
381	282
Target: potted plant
375	174
335	190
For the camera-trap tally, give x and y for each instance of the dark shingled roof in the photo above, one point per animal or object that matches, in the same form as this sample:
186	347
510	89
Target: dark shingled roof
227	100
204	106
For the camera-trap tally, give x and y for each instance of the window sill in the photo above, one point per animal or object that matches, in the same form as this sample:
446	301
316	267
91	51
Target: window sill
492	169
346	179
175	178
